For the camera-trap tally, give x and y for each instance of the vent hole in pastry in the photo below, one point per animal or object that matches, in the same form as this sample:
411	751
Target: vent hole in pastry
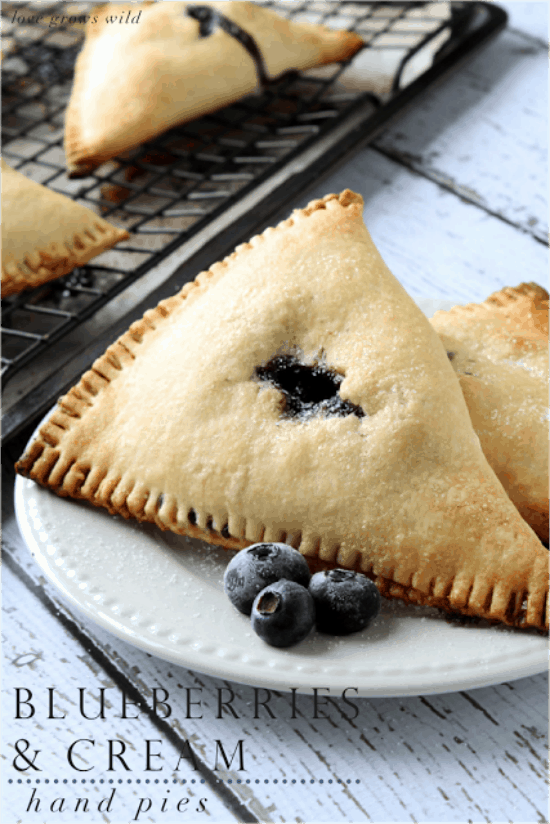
192	517
307	390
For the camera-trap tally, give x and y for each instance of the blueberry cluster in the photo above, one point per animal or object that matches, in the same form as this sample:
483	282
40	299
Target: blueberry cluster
272	583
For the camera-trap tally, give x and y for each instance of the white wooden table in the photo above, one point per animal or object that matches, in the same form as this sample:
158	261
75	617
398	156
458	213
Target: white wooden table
456	199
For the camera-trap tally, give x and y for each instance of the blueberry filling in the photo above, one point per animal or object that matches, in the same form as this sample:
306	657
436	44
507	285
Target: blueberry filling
307	390
207	18
210	19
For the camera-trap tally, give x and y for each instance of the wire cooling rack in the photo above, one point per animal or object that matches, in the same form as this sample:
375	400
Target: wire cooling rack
170	189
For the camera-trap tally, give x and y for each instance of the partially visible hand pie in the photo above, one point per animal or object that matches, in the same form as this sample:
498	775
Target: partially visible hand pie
294	392
45	234
175	62
499	350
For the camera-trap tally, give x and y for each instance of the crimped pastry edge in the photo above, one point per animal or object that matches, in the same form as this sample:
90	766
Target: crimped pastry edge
57	259
503	300
42	460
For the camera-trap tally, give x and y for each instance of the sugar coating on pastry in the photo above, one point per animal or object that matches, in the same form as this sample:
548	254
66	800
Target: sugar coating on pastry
133	82
499	350
45	234
186	422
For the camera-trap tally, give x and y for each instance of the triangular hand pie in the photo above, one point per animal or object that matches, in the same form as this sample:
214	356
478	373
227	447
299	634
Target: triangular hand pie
171	62
294	392
45	234
499	350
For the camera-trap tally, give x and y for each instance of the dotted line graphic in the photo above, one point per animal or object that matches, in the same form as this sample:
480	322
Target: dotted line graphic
182	781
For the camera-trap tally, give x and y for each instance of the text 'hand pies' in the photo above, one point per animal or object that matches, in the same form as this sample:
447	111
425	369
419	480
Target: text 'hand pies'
499	350
45	234
295	393
177	62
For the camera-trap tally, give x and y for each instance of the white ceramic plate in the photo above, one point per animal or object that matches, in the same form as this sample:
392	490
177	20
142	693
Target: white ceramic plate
164	594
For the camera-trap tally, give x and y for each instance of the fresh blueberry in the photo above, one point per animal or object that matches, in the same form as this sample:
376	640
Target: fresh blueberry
259	565
345	601
283	613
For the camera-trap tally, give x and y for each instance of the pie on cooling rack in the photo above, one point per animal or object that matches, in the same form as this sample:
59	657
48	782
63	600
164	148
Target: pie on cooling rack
499	350
45	234
177	62
294	392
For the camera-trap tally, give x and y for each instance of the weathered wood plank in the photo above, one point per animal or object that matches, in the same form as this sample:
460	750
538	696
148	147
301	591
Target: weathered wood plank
436	244
529	18
483	134
40	654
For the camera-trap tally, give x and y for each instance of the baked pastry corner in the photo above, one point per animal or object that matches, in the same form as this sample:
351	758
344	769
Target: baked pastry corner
45	235
499	350
178	62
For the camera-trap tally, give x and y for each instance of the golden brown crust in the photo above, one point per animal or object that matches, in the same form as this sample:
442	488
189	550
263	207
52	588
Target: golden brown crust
515	316
45	234
499	351
403	494
160	73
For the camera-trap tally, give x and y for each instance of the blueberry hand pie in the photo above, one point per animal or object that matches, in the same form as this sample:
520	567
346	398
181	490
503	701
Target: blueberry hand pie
295	393
45	234
171	62
499	350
